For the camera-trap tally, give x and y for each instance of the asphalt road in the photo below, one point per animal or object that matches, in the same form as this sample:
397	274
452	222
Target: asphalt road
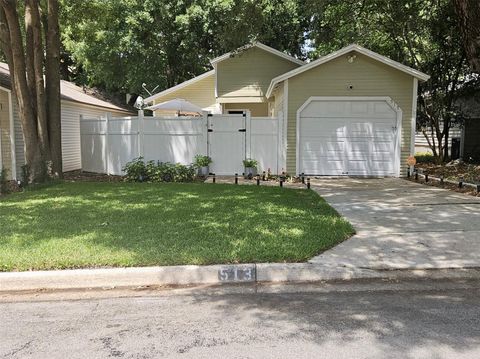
379	321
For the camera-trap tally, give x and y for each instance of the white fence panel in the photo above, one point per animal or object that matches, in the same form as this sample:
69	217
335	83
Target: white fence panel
175	140
264	143
93	144
109	143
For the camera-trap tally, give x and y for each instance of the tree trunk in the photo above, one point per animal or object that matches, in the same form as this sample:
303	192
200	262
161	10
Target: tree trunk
35	52
52	75
468	12
33	154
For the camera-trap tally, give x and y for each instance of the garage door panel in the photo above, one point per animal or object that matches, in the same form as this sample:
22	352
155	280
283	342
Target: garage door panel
316	127
347	137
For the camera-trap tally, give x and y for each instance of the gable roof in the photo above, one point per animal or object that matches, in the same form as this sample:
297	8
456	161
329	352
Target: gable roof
180	86
68	92
415	73
260	46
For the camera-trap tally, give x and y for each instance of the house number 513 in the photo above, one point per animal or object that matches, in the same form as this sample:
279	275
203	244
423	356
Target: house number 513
236	274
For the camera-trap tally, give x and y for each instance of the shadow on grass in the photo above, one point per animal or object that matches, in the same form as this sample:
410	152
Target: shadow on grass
122	224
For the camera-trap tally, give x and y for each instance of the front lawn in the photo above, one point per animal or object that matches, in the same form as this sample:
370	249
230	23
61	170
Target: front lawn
74	225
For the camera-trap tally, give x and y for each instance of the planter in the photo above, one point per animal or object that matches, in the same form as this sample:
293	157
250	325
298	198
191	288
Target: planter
250	172
203	171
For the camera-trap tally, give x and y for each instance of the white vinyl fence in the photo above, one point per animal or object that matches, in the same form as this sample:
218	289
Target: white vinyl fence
108	143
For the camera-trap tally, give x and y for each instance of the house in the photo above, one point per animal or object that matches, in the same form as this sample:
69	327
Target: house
351	112
75	103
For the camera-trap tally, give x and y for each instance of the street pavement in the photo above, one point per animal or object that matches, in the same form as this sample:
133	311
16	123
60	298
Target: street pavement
371	320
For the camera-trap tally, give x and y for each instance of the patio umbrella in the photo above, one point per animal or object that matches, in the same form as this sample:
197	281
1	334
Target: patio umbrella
178	105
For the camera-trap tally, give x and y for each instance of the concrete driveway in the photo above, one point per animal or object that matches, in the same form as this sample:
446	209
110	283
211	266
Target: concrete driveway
402	225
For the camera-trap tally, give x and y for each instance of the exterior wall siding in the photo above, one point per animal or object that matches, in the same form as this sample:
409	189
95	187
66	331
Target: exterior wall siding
71	150
368	78
5	149
200	93
256	109
249	74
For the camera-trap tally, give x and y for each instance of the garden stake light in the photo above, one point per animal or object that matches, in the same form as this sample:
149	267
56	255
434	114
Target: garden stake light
263	176
460	183
408	171
258	180
308	183
236	178
213	178
416	175
426	177
281	181
303	178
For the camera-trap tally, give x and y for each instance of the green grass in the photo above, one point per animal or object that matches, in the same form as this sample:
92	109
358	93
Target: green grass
74	225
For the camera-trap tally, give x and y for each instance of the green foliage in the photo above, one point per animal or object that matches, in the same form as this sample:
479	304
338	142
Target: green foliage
424	157
119	44
4	186
250	162
74	225
138	171
135	170
170	172
202	161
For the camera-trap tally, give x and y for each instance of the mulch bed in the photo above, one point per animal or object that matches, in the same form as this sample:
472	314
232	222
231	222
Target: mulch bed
81	176
470	173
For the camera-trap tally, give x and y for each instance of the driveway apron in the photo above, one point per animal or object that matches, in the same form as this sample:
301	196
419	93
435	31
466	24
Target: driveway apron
402	225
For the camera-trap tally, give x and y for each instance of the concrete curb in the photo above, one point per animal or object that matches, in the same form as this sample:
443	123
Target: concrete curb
214	274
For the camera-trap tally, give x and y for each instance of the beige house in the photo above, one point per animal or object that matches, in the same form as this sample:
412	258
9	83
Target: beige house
351	112
76	103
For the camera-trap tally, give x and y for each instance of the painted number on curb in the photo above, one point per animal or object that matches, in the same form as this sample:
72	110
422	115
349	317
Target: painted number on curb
234	274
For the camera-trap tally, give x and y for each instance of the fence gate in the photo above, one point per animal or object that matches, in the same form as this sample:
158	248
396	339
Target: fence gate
226	143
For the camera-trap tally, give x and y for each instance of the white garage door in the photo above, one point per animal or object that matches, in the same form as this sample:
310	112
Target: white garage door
348	137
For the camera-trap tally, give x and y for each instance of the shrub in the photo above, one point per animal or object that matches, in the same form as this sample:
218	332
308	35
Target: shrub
249	162
135	170
138	171
202	161
424	157
4	187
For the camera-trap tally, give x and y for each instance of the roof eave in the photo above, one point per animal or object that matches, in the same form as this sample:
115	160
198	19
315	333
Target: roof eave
179	86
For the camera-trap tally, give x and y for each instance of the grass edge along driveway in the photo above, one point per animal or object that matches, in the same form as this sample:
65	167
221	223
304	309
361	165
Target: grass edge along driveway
87	225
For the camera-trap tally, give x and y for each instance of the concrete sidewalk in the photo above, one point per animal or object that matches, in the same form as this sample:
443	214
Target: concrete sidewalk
402	225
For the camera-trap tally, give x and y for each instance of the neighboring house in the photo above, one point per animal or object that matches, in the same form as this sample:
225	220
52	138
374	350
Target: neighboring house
75	103
454	141
351	112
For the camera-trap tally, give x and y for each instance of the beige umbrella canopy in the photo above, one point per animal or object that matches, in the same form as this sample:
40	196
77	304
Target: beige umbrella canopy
178	105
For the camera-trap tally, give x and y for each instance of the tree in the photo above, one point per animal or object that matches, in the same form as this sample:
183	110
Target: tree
121	44
39	105
468	12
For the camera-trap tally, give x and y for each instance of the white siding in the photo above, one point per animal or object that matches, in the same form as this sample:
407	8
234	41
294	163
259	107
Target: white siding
421	144
71	152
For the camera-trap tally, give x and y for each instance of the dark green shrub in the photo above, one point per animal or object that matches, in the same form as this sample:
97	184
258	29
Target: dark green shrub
4	186
135	170
424	157
138	171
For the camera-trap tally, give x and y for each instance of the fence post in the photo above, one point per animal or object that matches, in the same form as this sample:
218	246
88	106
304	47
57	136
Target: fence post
141	134
248	130
107	157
